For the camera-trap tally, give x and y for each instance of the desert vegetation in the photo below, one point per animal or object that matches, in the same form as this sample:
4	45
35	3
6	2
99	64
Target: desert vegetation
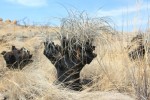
117	67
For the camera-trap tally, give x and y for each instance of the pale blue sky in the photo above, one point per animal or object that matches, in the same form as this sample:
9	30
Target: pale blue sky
126	13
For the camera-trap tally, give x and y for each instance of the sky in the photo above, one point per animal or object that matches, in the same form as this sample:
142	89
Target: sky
125	14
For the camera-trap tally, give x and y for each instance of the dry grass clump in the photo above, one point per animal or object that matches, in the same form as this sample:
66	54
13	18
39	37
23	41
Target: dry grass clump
78	28
108	71
141	71
23	85
130	75
83	26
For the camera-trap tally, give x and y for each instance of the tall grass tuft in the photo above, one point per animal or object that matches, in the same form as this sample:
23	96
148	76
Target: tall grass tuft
80	27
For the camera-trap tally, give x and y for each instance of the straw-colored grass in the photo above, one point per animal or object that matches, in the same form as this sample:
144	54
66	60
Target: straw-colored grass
114	75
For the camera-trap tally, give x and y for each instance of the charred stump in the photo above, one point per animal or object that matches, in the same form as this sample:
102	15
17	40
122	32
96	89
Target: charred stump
136	49
69	58
17	58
